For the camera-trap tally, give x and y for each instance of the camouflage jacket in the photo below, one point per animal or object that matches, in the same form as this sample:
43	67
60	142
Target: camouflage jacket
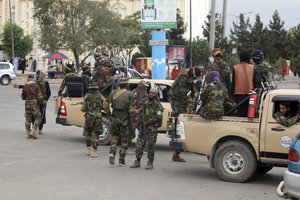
93	103
32	91
105	86
153	113
264	74
224	71
64	82
287	120
213	98
180	89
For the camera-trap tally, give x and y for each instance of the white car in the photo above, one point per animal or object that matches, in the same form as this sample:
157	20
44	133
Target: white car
6	73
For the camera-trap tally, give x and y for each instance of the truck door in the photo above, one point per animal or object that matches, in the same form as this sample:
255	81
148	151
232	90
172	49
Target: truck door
277	138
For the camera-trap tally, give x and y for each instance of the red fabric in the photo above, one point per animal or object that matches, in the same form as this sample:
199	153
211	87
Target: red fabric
175	72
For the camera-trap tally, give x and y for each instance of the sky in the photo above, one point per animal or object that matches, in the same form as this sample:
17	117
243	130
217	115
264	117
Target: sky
289	11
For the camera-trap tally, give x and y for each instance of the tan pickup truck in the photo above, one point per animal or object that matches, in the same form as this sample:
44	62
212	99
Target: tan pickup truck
68	107
238	147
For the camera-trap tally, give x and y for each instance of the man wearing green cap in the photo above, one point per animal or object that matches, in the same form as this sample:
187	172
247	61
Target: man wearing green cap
93	103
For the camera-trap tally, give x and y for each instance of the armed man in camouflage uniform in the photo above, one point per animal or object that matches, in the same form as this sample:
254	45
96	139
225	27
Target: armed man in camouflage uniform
221	66
68	73
122	105
86	74
180	100
140	94
284	115
93	103
32	95
152	115
262	70
213	96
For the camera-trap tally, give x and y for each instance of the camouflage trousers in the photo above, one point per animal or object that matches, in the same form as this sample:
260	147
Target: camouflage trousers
177	106
142	141
32	115
120	134
93	129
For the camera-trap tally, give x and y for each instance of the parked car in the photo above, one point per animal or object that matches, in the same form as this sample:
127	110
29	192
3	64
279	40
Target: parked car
6	73
290	186
131	73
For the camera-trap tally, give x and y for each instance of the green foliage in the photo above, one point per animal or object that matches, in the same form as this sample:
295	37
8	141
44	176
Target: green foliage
175	36
78	25
293	39
276	38
231	60
257	34
240	34
201	52
22	44
222	43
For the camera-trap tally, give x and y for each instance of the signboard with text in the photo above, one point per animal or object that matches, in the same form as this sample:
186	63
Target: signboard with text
158	14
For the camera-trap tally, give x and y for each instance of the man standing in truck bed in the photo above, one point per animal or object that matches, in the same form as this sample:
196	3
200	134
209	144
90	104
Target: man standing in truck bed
179	99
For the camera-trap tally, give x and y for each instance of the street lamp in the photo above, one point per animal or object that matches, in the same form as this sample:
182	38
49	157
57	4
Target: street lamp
237	23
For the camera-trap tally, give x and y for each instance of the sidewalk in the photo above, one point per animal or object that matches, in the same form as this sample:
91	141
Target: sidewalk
21	78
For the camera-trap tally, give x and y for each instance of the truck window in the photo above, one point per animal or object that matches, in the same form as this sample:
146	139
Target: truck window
294	107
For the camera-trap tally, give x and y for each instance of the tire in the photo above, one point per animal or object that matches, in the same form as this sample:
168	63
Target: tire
5	80
105	137
235	161
262	169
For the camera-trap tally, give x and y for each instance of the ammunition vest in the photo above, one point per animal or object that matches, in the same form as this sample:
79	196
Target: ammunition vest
121	99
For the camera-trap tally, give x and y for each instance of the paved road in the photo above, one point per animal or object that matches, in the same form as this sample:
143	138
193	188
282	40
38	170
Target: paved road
54	167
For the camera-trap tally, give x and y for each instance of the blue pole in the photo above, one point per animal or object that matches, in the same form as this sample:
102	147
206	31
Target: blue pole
159	70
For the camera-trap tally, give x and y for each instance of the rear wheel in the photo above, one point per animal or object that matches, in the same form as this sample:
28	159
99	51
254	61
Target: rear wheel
235	161
105	137
5	80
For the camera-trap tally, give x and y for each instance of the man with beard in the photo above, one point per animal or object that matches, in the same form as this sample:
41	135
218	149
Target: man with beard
152	115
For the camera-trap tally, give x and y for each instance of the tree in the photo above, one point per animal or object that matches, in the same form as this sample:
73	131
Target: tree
257	34
293	40
276	39
201	52
22	44
175	36
240	34
76	25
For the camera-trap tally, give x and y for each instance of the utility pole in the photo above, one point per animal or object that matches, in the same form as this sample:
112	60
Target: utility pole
212	24
11	32
224	18
191	36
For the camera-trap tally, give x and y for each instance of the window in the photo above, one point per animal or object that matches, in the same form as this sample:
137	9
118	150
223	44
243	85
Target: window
294	109
4	66
163	91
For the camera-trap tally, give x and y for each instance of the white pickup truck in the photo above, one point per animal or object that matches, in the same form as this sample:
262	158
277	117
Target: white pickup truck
235	146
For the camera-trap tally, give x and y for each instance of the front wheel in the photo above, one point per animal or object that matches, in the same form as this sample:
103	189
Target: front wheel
105	137
235	161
